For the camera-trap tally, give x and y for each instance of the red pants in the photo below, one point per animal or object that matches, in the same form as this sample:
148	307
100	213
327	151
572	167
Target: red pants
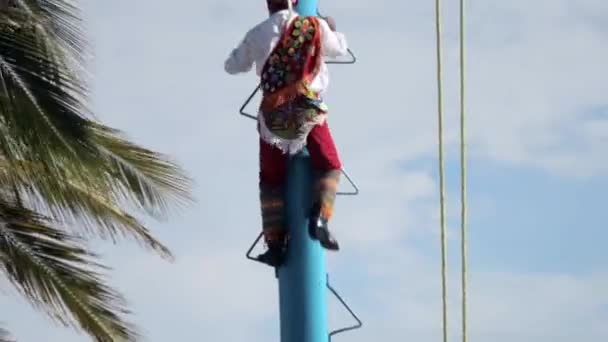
273	168
320	145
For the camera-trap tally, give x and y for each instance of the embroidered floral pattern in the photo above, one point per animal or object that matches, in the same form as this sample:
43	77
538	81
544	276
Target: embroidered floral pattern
290	120
286	62
289	109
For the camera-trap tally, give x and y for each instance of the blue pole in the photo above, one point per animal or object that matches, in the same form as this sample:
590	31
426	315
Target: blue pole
307	7
302	279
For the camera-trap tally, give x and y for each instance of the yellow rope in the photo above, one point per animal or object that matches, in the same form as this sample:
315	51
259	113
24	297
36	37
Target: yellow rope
441	171
463	179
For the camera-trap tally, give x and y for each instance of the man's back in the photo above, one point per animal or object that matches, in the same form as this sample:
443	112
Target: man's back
292	117
261	40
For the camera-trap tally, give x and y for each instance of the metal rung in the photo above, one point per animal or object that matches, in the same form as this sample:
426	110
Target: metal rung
359	323
252	247
353	59
350	52
276	270
257	88
253	117
242	109
352	183
349	328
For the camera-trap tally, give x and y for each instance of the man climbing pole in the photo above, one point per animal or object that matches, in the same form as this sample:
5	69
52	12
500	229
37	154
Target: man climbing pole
289	52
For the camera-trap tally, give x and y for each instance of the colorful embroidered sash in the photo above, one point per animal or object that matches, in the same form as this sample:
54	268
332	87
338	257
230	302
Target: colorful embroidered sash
289	109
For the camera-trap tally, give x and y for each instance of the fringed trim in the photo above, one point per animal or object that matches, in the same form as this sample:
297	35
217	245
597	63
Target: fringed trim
291	146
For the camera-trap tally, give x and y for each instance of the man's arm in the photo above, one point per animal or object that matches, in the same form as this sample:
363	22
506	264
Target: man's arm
333	43
241	58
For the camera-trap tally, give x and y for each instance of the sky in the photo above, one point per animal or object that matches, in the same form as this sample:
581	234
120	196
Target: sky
537	123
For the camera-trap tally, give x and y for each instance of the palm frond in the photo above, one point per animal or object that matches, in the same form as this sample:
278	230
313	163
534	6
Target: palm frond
5	336
89	205
43	109
50	268
43	118
42	103
146	177
106	212
61	23
55	160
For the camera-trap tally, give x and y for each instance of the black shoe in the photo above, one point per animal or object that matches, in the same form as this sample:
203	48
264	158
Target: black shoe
274	256
318	230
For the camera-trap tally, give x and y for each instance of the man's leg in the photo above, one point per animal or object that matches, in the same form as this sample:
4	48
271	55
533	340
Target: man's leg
325	160
272	177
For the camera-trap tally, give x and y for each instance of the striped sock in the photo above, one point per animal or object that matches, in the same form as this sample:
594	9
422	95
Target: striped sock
327	189
272	214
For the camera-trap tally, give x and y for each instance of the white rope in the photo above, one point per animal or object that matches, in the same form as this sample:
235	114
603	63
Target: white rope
463	178
442	173
444	294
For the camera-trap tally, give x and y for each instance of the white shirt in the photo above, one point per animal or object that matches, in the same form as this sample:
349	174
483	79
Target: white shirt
261	40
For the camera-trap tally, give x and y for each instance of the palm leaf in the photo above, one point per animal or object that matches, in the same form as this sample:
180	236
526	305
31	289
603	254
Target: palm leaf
50	268
145	177
42	109
43	118
42	103
83	204
5	336
102	210
61	21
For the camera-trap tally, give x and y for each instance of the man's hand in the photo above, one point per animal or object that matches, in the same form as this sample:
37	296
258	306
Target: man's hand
331	22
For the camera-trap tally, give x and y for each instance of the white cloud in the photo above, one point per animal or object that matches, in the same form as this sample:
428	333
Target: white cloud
528	93
534	70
